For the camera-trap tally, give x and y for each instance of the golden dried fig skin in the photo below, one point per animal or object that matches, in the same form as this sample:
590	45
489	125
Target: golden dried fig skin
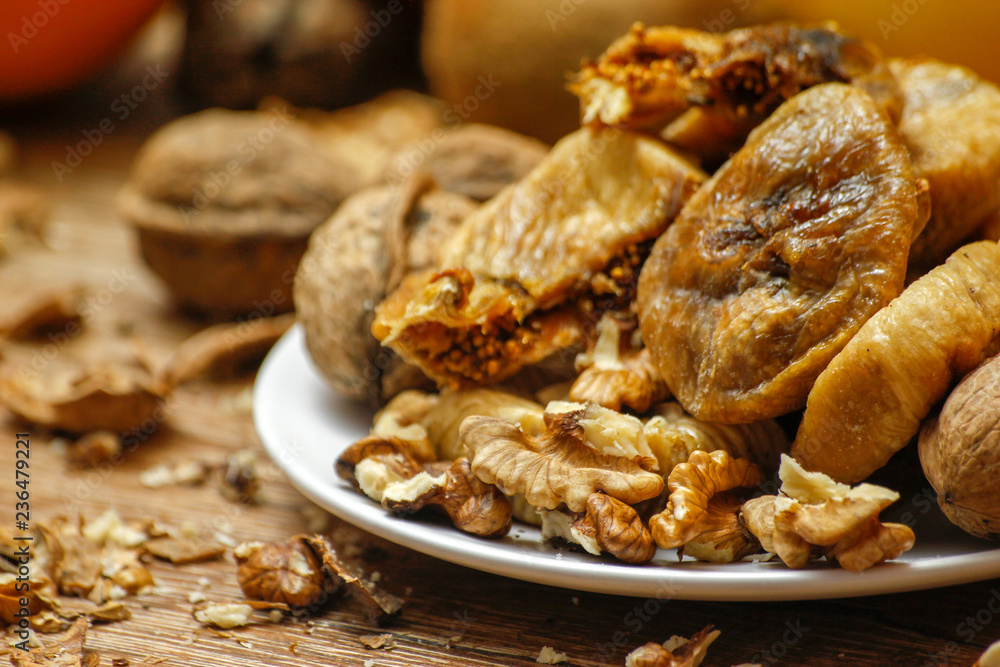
960	452
869	402
535	251
951	124
653	74
778	260
345	272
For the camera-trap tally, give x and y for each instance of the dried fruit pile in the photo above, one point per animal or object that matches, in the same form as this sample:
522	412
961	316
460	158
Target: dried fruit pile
749	226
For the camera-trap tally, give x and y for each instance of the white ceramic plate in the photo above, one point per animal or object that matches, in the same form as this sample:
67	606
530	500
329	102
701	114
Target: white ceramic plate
304	426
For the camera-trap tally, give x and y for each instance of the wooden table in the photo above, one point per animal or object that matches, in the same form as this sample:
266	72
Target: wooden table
453	615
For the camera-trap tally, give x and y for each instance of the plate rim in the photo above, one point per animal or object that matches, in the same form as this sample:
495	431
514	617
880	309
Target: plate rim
683	581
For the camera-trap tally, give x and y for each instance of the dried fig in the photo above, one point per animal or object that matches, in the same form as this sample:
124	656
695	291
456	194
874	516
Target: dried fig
951	124
224	202
960	452
474	160
529	272
650	76
868	403
777	261
375	238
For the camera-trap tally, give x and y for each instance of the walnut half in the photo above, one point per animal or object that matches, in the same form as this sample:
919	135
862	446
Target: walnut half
607	526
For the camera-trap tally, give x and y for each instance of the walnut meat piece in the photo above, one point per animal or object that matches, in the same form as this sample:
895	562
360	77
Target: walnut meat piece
951	124
615	374
649	76
675	652
606	526
473	506
525	274
378	236
223	203
475	160
779	259
288	572
556	467
672	435
817	516
870	400
960	452
702	514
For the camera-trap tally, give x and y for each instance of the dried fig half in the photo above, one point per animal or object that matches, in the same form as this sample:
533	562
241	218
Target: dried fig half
651	75
960	452
531	271
377	236
869	402
224	202
776	262
951	124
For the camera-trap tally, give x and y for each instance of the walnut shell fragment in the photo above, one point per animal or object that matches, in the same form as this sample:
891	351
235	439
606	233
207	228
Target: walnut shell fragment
50	312
68	651
185	550
113	397
223	351
556	467
675	652
960	452
224	202
525	275
651	75
951	125
375	238
702	515
816	516
870	400
607	526
380	607
475	160
779	259
615	374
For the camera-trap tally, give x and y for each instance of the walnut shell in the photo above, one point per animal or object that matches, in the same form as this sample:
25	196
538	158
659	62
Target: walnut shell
960	452
472	159
224	203
347	270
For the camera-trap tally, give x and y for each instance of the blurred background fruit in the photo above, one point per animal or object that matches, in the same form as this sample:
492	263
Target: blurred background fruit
55	44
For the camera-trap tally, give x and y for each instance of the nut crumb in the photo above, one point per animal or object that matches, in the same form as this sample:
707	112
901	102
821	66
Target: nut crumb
224	615
549	656
194	597
369	663
385	640
120	662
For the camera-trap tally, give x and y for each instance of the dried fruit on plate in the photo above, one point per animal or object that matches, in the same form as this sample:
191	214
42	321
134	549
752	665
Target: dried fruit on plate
362	252
960	452
777	261
868	403
524	273
951	124
651	75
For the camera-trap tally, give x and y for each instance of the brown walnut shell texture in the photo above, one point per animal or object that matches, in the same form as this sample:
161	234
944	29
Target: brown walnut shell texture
951	124
777	261
870	400
960	452
346	271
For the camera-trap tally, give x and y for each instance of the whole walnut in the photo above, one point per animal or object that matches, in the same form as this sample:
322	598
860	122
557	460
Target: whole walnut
375	238
224	202
960	452
326	53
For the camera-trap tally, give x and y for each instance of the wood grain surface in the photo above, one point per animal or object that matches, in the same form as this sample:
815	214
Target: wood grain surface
453	615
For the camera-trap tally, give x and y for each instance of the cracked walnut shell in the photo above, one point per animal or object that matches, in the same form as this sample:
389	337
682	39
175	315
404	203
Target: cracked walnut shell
556	467
776	262
869	402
